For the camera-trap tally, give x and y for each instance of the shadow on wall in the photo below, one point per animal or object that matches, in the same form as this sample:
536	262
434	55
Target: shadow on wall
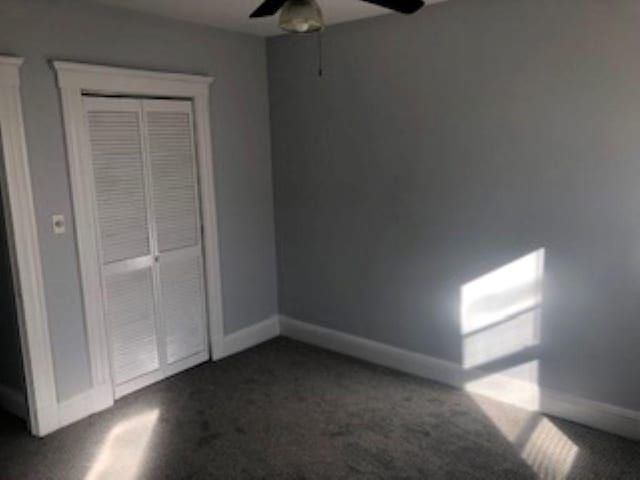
500	328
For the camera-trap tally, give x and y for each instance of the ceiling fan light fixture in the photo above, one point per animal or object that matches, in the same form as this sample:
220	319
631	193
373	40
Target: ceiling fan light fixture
301	16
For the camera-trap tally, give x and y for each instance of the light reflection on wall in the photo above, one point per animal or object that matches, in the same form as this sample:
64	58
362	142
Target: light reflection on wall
500	328
123	451
500	311
514	335
516	385
500	317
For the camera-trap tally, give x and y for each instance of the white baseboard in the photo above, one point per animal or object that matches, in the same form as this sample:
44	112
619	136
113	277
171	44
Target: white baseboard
246	338
602	416
374	352
86	404
598	415
54	417
13	401
70	411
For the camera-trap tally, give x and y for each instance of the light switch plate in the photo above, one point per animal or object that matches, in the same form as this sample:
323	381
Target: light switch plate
58	223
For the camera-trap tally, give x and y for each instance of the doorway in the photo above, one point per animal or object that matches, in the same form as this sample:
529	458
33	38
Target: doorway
149	236
149	266
13	392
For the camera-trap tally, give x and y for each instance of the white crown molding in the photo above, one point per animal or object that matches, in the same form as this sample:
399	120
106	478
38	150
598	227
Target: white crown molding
11	61
9	71
118	80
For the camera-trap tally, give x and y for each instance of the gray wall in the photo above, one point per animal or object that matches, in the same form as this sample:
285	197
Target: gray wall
441	146
11	371
41	30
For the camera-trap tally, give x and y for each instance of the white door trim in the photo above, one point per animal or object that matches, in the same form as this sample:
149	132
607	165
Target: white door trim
32	310
74	79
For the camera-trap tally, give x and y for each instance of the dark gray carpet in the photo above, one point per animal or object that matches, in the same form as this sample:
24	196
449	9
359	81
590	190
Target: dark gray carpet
290	411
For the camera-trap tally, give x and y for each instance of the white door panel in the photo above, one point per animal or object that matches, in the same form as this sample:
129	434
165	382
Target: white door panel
182	307
130	314
171	154
172	159
143	154
116	146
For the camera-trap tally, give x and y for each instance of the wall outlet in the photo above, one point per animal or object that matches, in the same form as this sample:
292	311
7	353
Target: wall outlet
58	223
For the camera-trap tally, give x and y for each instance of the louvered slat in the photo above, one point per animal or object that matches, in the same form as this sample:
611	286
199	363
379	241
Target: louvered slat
115	141
182	306
173	179
172	157
131	320
148	214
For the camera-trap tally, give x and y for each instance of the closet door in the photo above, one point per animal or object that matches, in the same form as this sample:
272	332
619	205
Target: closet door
177	230
116	142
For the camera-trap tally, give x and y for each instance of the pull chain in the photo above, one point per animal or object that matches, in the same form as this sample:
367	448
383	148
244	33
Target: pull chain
320	68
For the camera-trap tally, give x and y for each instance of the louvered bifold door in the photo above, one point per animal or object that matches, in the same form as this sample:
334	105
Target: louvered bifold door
116	144
171	155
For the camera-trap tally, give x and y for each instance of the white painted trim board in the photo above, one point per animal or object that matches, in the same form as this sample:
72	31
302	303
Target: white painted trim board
248	337
74	79
25	251
594	414
101	398
598	415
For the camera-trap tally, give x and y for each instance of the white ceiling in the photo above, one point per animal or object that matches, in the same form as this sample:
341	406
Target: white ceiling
234	14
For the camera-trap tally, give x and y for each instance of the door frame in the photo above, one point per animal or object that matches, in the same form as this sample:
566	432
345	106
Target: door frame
24	248
76	79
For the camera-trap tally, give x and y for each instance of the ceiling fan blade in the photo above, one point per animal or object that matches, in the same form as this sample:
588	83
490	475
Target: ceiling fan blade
268	8
402	6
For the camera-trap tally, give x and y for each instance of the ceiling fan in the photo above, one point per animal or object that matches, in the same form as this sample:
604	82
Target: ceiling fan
305	16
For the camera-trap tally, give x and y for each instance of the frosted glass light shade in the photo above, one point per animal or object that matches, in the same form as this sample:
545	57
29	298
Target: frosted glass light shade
301	16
